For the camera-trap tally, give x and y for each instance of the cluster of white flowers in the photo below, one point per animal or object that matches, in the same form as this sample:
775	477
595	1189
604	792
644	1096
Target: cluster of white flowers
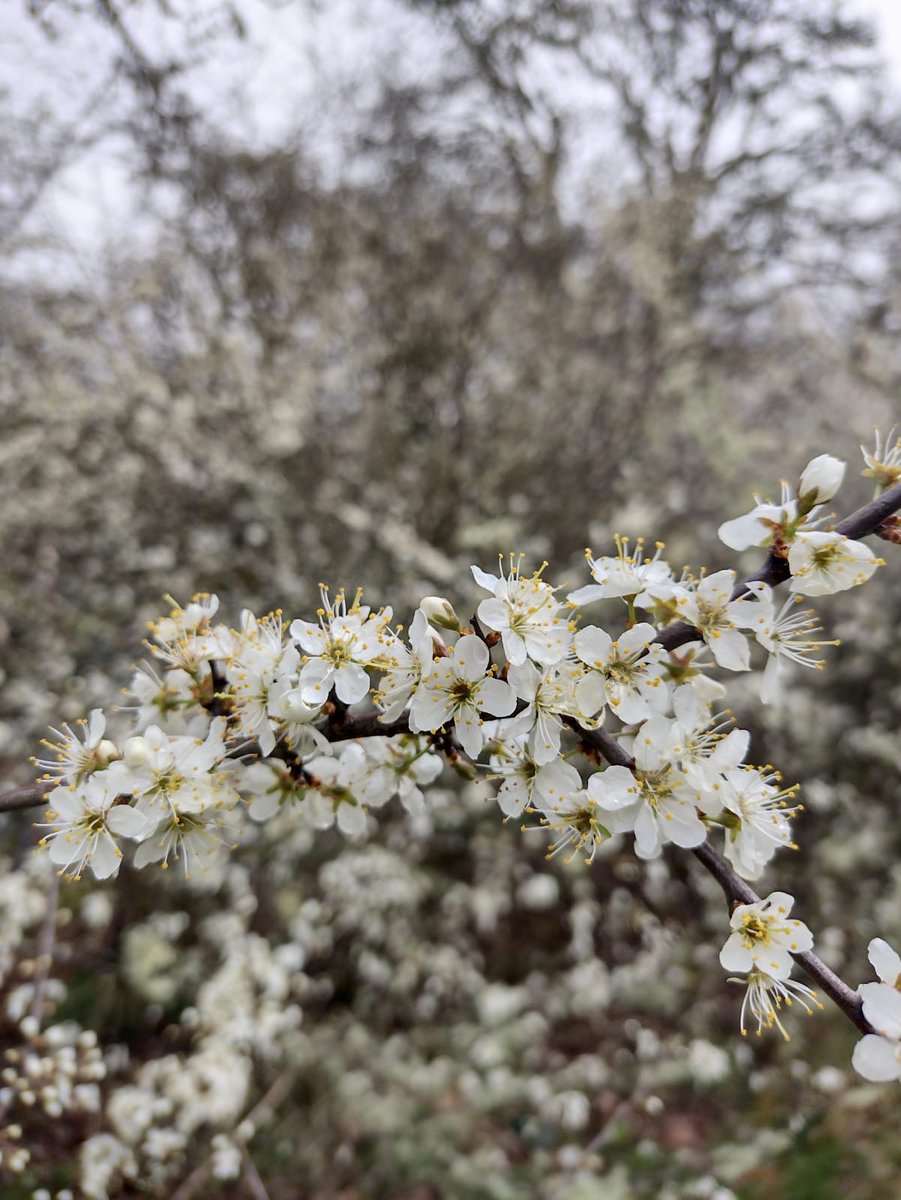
55	1071
245	1015
249	722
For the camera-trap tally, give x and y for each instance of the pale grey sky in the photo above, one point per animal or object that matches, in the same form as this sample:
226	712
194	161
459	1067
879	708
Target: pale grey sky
260	86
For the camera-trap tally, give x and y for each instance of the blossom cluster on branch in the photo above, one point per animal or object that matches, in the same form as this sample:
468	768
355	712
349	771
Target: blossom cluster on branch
591	731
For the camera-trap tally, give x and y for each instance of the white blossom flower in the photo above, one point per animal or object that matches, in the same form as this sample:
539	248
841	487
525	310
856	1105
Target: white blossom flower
270	787
457	688
404	668
339	790
262	670
191	838
786	636
703	743
626	673
877	1056
719	619
529	784
820	480
765	997
822	563
765	524
78	752
171	700
884	461
175	776
627	575
765	937
403	766
339	649
225	1158
756	818
522	609
84	821
549	693
102	1161
186	638
579	825
294	720
183	622
657	801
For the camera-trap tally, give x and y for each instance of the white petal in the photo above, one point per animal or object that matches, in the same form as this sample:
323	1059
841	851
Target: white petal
730	649
734	956
882	1008
497	698
351	683
547	646
743	532
469	732
638	638
128	822
647	834
429	711
886	962
311	637
65	850
514	648
471	657
493	613
612	788
626	703
483	579
591	694
351	819
585	595
411	798
593	645
877	1059
771	684
731	750
513	796
106	858
685	830
315	681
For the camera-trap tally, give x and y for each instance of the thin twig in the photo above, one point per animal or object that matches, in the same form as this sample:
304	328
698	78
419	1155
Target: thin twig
252	1179
46	943
247	1127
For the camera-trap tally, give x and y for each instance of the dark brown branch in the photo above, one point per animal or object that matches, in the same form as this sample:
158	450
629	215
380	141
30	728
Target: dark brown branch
26	797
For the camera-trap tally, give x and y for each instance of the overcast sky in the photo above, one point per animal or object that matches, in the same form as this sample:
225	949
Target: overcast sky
258	87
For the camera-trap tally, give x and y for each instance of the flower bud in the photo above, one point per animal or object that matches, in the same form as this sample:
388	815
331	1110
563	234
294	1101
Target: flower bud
105	753
820	480
440	612
135	752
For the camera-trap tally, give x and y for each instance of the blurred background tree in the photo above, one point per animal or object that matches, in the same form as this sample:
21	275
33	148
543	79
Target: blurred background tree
505	275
